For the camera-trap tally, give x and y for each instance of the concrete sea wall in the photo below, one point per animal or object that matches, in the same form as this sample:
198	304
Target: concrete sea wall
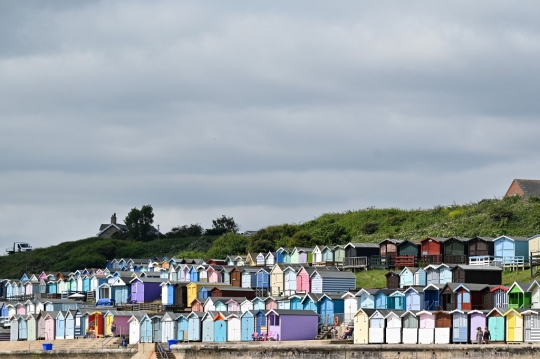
72	354
282	350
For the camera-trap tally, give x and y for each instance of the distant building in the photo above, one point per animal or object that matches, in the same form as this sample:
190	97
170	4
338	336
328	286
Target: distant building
107	230
524	188
249	233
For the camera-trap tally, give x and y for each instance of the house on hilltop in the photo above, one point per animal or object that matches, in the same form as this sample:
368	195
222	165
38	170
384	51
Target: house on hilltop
524	188
106	230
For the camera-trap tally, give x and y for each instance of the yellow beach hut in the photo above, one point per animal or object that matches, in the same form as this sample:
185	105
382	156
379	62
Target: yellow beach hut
361	326
514	326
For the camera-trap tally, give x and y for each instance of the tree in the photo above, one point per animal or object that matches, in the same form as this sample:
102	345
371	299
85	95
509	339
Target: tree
139	223
264	240
228	244
301	239
185	231
222	225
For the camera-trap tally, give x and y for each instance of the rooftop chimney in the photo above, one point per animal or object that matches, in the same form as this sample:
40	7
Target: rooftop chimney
113	218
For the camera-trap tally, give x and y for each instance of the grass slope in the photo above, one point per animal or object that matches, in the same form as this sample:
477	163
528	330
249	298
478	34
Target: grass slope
376	278
93	253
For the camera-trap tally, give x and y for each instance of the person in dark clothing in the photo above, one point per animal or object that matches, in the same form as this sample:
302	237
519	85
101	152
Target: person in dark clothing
487	336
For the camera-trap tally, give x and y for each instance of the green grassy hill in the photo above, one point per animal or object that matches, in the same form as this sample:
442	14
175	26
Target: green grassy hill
491	217
93	253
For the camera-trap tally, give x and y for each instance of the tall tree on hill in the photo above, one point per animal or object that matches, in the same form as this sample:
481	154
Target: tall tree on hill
222	225
139	223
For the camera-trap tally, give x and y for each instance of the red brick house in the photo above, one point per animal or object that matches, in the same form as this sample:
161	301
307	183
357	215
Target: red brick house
524	188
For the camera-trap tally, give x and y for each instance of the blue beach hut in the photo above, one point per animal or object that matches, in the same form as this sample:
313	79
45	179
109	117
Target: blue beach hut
247	324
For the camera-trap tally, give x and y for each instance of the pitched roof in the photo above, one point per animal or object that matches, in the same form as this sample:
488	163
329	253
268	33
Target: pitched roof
528	187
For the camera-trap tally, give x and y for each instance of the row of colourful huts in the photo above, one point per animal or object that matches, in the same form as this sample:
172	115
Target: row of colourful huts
195	280
388	253
371	326
141	327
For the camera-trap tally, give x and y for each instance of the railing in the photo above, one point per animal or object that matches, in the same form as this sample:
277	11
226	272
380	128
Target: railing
432	259
336	319
405	261
484	260
511	262
455	258
324	264
355	262
379	262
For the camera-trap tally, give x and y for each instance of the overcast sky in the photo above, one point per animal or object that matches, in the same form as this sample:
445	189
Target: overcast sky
269	112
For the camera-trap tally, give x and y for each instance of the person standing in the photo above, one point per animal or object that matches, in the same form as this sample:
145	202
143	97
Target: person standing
487	336
113	329
479	335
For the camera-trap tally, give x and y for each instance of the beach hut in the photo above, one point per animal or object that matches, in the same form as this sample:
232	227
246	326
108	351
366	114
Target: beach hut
432	274
361	326
135	327
280	254
414	298
194	326
145	290
234	327
511	249
167	293
14	328
296	302
406	277
534	244
332	281
514	326
22	326
464	273
246	305
366	298
330	305
262	277
460	326
277	279
147	330
181	327
220	326
292	324
120	288
60	326
408	248
207	323
247	324
381	298
388	248
519	296
477	318
31	327
317	255
443	325
303	284
180	294
496	325
497	298
259	303
393	327
432	297
481	246
534	289
392	279
169	328
40	321
50	325
249	277
531	325
259	317
426	327
96	323
409	327
339	254
376	326
353	250
156	327
284	303
289	277
350	303
431	250
456	250
396	301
